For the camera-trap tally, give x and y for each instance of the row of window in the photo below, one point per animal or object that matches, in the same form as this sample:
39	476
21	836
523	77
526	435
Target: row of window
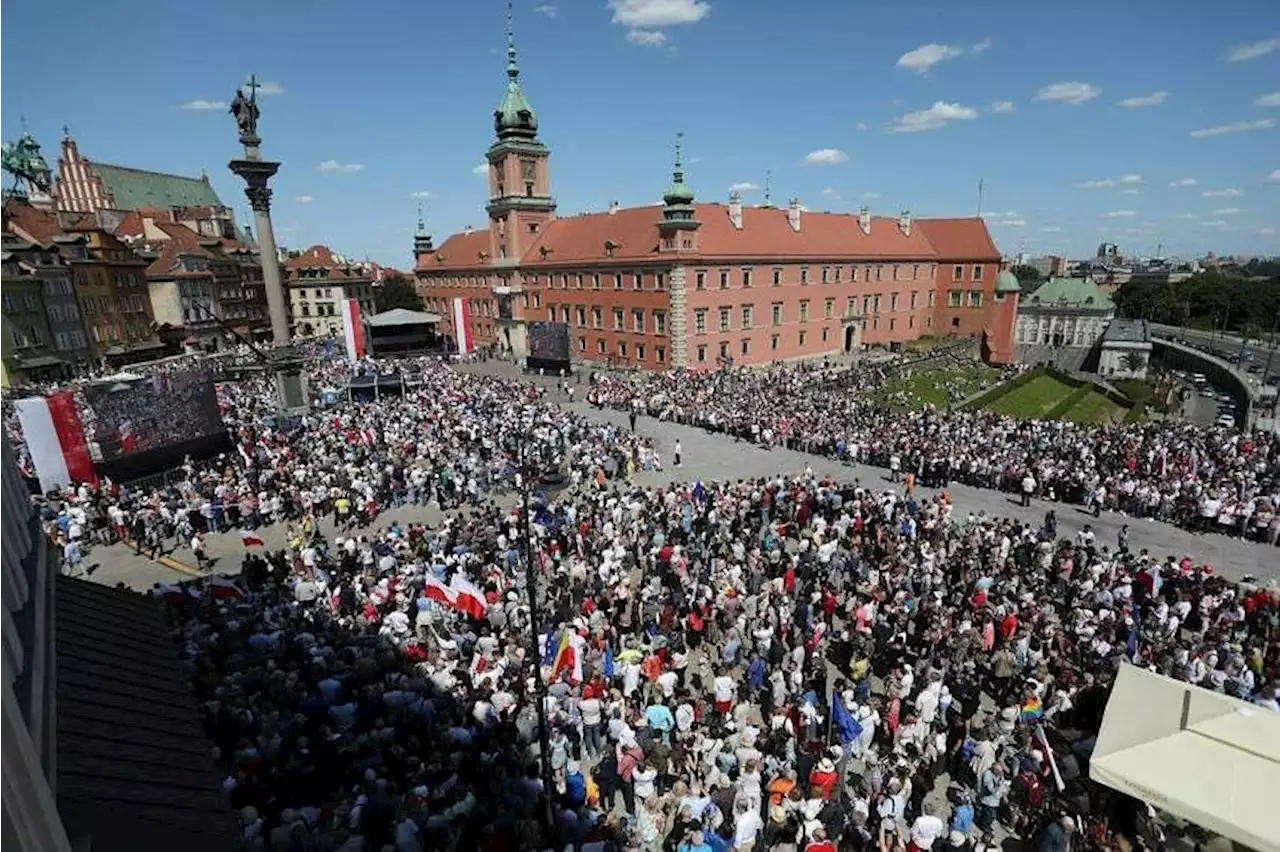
956	299
639	318
13	304
625	352
327	293
826	275
68	312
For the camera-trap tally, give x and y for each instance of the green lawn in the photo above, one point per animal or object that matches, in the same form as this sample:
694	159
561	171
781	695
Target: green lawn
940	386
1095	410
1034	399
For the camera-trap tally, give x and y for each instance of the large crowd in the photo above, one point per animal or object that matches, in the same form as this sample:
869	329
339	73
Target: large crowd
788	663
1208	479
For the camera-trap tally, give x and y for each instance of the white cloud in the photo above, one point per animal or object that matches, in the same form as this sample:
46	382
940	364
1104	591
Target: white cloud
1013	223
1227	211
860	126
1274	177
1222	193
334	167
482	169
270	89
924	58
744	186
869	196
647	38
1214	223
658	13
304	199
1119	214
1153	99
1187	216
1266	232
1234	127
828	192
1130	179
1074	93
982	46
201	104
1051	229
825	157
932	118
1268	100
1245	52
423	195
546	9
1097	183
1130	191
1183	182
1001	107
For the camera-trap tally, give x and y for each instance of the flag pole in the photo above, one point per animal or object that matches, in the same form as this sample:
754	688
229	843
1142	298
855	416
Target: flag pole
979	198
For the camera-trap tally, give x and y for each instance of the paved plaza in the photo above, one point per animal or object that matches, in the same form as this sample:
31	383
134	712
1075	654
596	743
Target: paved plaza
710	457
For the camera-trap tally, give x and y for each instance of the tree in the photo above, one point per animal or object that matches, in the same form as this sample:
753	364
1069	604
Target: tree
1026	274
397	291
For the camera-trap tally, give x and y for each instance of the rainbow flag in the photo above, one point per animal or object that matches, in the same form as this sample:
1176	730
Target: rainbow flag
564	655
1032	709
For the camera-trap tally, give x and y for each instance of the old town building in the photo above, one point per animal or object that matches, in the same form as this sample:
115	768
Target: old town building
691	284
207	291
1062	322
318	282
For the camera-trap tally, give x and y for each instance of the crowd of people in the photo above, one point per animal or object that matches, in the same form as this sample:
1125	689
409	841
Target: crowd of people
1206	479
788	663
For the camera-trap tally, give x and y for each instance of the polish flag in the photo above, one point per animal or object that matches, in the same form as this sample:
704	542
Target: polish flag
468	597
462	325
55	440
439	592
174	595
128	440
249	539
224	589
352	329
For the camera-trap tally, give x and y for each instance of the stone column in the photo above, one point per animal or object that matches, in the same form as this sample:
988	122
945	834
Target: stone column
285	361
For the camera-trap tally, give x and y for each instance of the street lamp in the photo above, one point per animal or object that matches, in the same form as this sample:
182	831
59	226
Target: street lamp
525	469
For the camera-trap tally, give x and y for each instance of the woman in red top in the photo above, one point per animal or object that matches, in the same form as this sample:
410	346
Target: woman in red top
823	779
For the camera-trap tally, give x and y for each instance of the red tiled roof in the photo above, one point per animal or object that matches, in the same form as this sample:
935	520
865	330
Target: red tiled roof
319	256
960	239
182	236
131	226
766	235
461	251
34	224
314	256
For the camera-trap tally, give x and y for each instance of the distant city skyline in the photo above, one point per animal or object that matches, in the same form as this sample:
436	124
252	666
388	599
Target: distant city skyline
1156	128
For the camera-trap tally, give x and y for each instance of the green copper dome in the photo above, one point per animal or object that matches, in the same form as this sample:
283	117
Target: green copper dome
1007	282
514	117
678	194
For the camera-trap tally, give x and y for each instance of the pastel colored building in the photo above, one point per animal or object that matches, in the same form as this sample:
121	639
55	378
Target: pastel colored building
695	284
318	282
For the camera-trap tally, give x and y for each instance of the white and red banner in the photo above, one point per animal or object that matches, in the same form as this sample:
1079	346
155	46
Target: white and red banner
54	437
462	595
251	539
353	329
462	325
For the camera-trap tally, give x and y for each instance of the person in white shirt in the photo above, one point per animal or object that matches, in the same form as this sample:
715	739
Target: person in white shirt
746	826
926	829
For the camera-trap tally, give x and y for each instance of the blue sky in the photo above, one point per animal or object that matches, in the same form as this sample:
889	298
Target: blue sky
1140	122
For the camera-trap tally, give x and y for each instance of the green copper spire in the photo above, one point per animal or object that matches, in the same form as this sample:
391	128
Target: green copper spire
679	195
514	117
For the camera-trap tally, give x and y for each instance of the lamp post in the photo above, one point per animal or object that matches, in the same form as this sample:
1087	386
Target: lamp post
535	649
256	173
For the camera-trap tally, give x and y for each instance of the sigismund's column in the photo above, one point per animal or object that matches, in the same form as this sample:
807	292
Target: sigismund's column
256	172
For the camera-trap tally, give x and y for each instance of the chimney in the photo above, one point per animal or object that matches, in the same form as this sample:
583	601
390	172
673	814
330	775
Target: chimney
904	222
466	230
735	210
793	214
864	220
614	207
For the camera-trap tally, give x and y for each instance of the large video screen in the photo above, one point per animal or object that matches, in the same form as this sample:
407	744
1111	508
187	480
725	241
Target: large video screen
139	415
549	341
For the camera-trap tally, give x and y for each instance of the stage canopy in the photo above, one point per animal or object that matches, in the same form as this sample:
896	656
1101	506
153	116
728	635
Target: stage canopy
1193	753
402	316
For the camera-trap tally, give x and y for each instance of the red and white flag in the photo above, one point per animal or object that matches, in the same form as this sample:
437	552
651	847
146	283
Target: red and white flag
468	597
55	440
224	589
128	439
462	325
352	329
251	539
174	595
439	592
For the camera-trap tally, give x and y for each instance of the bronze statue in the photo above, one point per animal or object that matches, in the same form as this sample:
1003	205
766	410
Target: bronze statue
246	112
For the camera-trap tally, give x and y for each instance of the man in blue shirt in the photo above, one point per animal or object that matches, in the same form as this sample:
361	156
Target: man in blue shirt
660	720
